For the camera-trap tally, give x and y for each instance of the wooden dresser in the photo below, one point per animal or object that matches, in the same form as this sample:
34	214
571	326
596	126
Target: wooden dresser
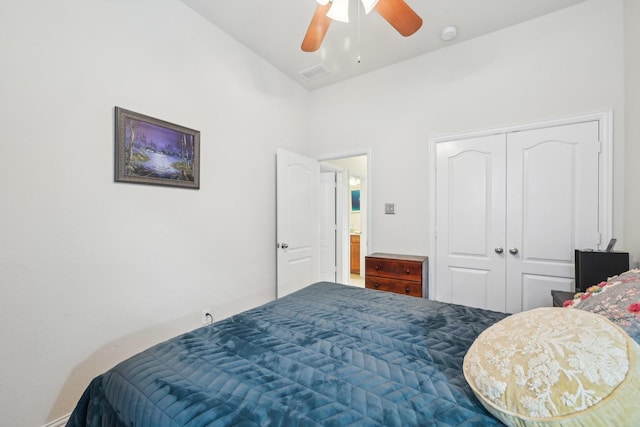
402	274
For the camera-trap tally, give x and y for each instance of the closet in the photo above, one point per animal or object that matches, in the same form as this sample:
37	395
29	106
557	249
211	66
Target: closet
511	207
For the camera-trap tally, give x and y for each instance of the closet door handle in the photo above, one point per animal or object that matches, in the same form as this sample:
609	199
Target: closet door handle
513	251
499	250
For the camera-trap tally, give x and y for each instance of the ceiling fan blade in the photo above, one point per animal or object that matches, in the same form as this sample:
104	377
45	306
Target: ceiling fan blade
400	16
317	29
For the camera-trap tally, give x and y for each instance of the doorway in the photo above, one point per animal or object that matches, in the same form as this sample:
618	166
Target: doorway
351	215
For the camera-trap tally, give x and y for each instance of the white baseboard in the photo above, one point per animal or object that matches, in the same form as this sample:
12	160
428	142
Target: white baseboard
60	422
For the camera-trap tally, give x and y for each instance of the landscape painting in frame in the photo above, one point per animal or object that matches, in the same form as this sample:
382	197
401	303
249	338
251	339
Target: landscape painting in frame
152	151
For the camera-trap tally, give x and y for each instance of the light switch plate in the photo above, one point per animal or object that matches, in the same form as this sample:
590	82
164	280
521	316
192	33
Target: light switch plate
390	208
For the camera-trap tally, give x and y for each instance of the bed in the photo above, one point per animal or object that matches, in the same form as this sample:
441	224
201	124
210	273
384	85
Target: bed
328	354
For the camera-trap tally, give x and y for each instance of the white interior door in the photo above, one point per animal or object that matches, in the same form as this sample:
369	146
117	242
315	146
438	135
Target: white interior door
297	222
552	209
470	222
328	226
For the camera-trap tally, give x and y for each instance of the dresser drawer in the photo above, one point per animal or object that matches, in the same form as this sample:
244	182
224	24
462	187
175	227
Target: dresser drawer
394	269
402	274
405	287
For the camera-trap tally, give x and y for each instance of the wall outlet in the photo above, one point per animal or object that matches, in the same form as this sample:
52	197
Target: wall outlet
207	316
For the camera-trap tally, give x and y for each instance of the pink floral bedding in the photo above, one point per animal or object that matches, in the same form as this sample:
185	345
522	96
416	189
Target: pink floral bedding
617	299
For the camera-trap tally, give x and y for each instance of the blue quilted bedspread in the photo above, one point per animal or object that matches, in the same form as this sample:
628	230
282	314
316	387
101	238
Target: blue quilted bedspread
329	354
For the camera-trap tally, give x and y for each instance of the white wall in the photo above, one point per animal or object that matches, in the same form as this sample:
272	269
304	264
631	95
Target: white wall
92	271
632	128
566	63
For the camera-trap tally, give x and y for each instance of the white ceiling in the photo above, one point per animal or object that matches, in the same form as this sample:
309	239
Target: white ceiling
274	30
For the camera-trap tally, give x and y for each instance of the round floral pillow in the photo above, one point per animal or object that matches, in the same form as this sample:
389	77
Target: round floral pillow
552	367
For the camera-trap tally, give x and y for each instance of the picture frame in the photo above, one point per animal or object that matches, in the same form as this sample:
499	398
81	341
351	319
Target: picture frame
156	152
355	200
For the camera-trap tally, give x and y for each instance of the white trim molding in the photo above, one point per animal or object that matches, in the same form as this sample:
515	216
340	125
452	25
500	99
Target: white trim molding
60	422
369	191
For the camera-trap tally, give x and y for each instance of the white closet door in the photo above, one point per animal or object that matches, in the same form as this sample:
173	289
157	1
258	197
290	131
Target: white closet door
552	208
470	222
510	210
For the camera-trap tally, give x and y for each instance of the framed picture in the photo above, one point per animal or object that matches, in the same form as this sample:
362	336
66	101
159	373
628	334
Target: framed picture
355	200
152	151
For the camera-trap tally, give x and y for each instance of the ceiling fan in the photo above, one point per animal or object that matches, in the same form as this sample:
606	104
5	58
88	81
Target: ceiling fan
396	12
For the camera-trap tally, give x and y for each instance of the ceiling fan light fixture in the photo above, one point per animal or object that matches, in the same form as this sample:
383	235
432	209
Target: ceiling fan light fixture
339	10
369	5
396	12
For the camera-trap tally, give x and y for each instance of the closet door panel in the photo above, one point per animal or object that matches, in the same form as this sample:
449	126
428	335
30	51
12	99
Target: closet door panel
545	209
552	208
471	286
536	289
470	222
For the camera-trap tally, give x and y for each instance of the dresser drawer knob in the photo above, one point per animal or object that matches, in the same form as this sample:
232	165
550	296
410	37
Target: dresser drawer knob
407	290
377	267
376	285
408	271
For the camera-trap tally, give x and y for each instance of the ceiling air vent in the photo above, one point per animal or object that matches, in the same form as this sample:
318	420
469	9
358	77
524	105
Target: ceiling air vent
314	72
